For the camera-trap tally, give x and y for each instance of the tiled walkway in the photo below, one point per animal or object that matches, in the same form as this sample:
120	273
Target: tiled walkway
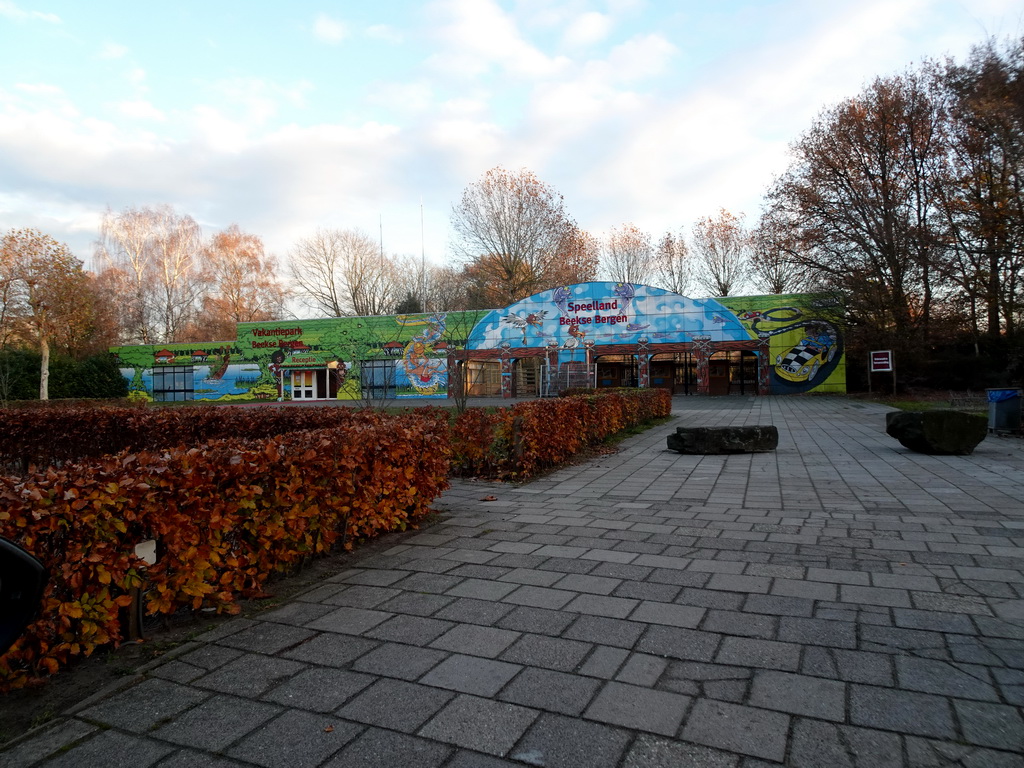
839	602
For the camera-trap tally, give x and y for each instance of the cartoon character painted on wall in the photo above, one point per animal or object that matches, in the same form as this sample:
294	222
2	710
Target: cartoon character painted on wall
533	320
800	365
276	361
426	373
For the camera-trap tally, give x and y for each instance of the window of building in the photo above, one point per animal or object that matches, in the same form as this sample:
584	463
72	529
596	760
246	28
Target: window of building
173	382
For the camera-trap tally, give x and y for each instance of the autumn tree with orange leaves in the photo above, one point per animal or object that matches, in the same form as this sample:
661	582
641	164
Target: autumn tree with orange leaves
45	296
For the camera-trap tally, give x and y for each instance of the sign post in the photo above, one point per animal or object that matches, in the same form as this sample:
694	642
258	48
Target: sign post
882	361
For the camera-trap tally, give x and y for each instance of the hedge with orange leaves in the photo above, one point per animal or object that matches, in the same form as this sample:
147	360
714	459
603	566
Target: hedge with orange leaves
225	514
518	442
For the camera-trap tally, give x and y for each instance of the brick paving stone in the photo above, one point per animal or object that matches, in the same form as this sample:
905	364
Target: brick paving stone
775	605
710	598
296	613
835	634
767	654
643	709
959	680
597	585
679	643
436	583
895	598
656	752
816	744
539	597
295	738
555	741
734	582
849	666
321	689
406	662
532	577
216	723
413	630
811	590
415	604
735	728
111	749
250	675
475	640
356	596
552	691
679	578
465	759
395	704
468	610
468	674
59	736
480	589
599	629
548	652
669	614
142	706
376	748
934	620
743	624
604	662
537	620
901	711
602	605
663	593
799	695
991	725
642	669
350	621
925	752
480	724
267	637
331	650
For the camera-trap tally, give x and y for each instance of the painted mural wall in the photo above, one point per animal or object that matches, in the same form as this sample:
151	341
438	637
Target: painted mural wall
407	354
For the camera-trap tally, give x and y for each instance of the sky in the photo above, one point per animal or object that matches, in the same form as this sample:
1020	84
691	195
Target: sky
288	117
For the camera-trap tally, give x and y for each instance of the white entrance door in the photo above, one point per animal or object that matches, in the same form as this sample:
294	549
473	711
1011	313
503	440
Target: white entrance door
304	385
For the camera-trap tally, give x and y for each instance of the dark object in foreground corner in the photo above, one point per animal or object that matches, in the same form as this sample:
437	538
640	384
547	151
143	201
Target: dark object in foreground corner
724	439
22	579
939	433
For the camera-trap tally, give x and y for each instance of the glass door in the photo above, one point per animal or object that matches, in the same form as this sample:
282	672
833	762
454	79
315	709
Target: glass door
304	385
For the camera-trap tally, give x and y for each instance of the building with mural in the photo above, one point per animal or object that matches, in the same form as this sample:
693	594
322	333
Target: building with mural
597	334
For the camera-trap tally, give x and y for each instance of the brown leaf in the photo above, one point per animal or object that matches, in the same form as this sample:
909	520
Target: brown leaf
489	498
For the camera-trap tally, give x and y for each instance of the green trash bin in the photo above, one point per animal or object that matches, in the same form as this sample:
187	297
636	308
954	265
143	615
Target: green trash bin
1004	409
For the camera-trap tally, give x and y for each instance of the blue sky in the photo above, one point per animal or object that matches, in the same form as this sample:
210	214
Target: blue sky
287	117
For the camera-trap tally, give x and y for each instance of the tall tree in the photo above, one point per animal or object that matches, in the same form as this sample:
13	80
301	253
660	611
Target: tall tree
982	187
243	285
773	265
155	258
509	227
721	246
860	193
628	255
674	263
343	272
46	295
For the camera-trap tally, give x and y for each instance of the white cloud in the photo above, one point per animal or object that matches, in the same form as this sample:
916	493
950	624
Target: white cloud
587	29
478	35
384	32
112	51
329	30
140	110
12	11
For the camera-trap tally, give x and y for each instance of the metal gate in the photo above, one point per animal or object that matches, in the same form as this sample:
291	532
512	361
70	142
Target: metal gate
566	376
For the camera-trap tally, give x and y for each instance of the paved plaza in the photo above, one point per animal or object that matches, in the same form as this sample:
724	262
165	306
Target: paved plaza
838	603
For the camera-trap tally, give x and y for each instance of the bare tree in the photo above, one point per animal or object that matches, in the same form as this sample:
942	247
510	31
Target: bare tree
721	246
674	263
773	263
155	253
628	255
343	272
509	227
